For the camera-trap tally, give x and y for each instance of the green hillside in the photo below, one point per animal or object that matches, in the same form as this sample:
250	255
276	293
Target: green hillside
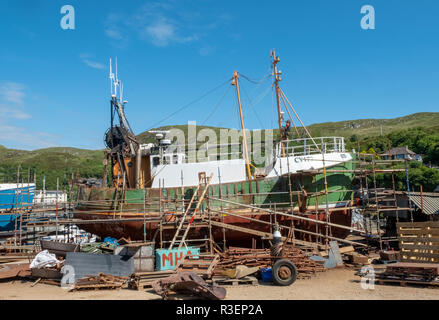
146	137
419	131
52	162
361	128
372	127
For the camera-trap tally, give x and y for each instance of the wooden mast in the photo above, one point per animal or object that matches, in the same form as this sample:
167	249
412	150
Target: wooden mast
277	78
236	84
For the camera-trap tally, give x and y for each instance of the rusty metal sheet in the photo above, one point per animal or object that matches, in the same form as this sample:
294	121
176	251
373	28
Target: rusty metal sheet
14	270
46	273
59	248
188	283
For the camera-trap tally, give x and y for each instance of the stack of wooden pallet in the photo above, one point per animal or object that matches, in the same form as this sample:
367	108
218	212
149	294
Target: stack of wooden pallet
142	280
419	241
202	265
101	281
409	272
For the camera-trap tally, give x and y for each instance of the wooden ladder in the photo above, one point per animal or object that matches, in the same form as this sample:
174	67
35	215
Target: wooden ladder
181	226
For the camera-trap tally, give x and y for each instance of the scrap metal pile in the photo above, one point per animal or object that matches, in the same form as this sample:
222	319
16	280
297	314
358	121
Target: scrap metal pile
101	281
263	258
203	265
140	280
188	283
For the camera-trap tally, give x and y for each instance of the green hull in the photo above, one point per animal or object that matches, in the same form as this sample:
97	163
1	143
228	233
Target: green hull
264	192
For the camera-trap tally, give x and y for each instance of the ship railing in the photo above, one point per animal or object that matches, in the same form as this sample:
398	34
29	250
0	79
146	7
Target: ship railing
193	153
205	152
308	146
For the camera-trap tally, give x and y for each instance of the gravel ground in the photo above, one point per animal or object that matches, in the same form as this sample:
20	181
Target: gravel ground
336	284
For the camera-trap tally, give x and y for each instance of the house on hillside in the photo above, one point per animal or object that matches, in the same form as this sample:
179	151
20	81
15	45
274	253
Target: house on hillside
401	153
49	198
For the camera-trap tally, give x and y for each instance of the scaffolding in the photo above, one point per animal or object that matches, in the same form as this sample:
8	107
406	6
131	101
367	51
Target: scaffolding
372	202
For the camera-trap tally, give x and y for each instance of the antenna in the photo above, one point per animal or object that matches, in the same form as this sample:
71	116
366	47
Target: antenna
111	70
121	92
116	71
111	76
115	81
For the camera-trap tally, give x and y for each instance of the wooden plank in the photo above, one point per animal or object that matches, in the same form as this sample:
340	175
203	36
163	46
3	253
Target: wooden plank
33	284
419	232
408	247
213	264
418	239
420	250
196	263
420	255
418	224
234	282
404	282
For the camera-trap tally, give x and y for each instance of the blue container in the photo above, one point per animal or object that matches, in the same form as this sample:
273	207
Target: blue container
267	274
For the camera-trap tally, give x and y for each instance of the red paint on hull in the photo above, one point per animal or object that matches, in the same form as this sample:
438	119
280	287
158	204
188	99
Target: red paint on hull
135	229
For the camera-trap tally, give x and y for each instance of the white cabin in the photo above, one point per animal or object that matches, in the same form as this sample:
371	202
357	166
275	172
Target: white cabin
174	168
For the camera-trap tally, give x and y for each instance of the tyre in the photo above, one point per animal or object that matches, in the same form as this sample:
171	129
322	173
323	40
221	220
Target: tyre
284	272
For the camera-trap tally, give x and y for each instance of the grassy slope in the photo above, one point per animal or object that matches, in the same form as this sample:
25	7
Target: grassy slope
372	127
52	162
361	128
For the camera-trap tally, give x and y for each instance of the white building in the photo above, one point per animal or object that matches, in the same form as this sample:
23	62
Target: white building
49	197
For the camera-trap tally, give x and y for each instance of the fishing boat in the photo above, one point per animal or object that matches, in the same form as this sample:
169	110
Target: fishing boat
305	177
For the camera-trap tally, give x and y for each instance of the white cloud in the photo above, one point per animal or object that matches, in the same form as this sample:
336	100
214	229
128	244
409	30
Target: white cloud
205	50
164	31
92	64
114	33
12	92
21	138
13	112
162	24
161	32
12	109
12	97
115	26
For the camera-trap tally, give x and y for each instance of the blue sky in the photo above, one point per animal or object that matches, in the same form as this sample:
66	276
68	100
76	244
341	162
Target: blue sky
54	86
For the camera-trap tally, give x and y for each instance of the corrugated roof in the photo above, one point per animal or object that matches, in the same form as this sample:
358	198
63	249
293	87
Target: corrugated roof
430	201
401	150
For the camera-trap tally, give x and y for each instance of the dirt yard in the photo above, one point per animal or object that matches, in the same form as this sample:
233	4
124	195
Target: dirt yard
336	284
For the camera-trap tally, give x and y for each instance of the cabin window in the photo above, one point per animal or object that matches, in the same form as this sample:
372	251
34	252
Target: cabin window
166	160
175	158
155	161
